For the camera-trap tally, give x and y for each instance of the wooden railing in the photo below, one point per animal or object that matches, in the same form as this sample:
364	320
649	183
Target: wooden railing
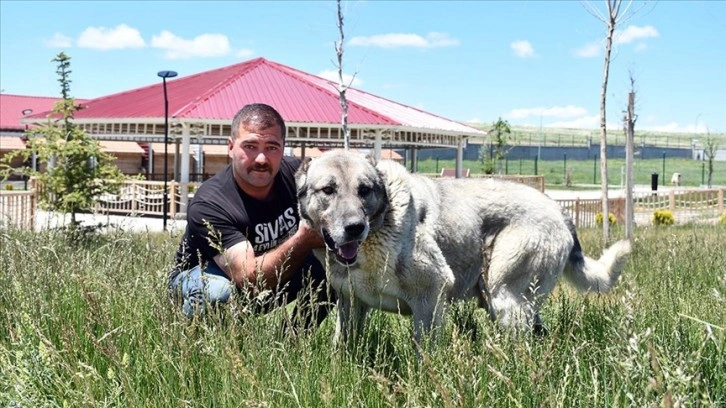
145	198
141	197
584	212
17	209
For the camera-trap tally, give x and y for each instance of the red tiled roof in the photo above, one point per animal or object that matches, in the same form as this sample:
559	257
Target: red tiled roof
12	107
298	96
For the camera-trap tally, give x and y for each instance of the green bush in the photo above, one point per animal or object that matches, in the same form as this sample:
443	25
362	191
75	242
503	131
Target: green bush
663	217
723	218
611	219
9	187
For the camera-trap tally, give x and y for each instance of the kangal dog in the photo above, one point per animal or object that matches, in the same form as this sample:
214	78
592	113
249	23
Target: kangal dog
409	244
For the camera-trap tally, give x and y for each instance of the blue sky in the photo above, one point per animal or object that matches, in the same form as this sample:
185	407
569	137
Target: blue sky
533	63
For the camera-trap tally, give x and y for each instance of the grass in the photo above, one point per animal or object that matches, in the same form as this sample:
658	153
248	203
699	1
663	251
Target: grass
87	322
587	172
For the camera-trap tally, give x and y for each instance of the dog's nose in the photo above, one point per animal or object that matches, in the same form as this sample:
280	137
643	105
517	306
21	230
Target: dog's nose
355	229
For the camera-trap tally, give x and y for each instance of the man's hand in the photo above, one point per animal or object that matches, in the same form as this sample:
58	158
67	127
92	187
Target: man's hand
310	236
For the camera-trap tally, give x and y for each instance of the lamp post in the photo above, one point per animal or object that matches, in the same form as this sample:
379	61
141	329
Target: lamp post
163	75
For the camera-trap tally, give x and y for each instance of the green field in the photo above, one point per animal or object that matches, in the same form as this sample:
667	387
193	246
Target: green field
87	323
693	172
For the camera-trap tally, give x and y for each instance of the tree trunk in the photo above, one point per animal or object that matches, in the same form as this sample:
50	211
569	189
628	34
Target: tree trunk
613	6
629	140
342	87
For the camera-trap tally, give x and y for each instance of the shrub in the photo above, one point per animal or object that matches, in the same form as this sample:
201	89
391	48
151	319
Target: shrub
663	217
9	187
723	218
611	219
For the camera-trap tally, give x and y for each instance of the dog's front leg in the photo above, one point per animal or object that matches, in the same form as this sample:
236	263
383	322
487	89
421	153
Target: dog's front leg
351	318
428	319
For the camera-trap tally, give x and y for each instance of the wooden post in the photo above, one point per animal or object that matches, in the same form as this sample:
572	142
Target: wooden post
720	200
577	212
672	201
172	200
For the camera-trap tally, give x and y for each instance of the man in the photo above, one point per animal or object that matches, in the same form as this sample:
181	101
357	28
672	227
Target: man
243	229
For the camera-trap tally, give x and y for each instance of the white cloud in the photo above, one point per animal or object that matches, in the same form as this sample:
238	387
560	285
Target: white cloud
675	127
628	35
395	40
102	38
590	50
332	75
522	49
204	45
244	53
632	33
569	111
59	41
583	122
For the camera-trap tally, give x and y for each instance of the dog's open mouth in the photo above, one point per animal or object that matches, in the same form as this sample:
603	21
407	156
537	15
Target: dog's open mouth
346	253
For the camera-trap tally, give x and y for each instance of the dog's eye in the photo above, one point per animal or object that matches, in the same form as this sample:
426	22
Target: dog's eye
328	190
363	190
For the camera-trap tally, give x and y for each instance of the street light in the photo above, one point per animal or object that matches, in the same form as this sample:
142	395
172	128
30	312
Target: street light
163	75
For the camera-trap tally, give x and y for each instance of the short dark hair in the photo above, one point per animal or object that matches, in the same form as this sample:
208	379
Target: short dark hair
264	115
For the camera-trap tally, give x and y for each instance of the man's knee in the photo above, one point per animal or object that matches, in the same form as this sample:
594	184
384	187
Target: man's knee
197	289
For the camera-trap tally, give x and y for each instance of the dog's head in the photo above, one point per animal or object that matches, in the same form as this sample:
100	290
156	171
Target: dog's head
342	195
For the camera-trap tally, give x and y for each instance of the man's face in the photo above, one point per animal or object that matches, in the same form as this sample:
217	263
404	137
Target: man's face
256	155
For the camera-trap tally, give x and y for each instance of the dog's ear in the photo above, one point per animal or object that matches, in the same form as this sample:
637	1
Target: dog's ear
301	173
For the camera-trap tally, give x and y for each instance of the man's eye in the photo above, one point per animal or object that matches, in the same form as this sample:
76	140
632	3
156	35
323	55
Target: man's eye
328	190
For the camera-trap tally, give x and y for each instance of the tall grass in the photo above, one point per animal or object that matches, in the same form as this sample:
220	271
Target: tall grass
87	322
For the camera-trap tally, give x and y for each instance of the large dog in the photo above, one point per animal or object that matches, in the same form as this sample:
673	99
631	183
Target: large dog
409	244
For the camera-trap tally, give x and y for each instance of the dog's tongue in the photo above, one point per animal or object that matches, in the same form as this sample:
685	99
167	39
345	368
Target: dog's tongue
349	250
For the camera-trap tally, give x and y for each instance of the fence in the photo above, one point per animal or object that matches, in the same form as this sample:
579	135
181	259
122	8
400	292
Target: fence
145	198
17	209
687	205
584	212
141	197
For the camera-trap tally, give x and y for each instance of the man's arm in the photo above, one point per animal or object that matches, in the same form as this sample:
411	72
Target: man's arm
272	268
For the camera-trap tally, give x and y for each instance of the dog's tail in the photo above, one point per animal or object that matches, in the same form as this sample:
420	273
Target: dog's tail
600	275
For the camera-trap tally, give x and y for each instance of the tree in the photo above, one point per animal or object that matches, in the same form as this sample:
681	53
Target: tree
710	148
493	153
342	86
77	171
613	17
630	118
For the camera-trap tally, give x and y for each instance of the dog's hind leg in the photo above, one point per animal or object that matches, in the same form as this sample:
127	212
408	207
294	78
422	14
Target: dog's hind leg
484	296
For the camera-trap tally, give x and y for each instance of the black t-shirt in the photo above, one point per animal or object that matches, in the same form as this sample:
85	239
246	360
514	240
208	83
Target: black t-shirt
221	215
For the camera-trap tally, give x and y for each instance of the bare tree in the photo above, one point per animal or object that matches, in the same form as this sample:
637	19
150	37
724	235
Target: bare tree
342	86
630	118
613	18
710	147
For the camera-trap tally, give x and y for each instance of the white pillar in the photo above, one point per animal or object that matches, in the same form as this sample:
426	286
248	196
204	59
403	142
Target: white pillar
377	144
459	156
184	186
